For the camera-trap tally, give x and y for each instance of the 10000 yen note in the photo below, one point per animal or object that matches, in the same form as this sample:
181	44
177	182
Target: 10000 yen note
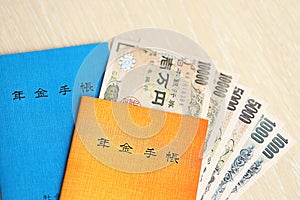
221	92
249	116
264	131
237	100
276	148
158	79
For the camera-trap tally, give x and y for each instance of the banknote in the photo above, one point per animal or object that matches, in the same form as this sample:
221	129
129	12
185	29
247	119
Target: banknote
272	152
261	135
237	100
158	79
222	89
248	117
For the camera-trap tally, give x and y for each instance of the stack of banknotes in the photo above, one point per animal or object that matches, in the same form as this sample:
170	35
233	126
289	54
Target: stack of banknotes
243	139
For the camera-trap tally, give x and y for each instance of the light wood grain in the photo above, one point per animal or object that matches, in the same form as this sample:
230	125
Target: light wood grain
257	39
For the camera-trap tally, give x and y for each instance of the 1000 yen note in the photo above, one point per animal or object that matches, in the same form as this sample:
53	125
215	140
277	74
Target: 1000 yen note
264	131
272	152
248	117
158	79
237	100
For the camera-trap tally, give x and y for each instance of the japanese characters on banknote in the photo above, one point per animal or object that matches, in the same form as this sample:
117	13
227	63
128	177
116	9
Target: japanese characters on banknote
242	137
159	79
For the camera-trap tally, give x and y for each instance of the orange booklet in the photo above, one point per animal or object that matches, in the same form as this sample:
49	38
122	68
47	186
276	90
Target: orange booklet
120	151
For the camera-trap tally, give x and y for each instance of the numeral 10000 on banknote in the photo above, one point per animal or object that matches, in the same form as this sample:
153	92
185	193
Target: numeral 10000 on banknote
203	71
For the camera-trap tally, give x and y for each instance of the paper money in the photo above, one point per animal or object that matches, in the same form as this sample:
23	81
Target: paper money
237	100
158	79
141	74
222	89
264	131
276	148
250	114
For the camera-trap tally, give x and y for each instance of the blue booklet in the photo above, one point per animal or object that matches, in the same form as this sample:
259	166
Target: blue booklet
39	96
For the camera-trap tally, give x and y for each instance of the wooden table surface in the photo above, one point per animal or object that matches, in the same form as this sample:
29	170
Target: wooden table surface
257	39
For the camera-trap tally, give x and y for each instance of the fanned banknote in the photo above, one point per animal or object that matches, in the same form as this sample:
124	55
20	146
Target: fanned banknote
158	79
146	75
257	139
249	116
272	152
235	105
222	89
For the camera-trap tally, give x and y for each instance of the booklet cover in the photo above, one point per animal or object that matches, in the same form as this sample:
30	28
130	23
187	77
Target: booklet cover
40	92
121	151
